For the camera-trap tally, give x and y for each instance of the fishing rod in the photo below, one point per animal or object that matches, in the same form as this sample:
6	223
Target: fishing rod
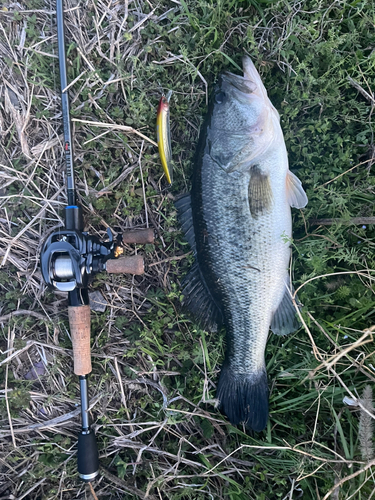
70	258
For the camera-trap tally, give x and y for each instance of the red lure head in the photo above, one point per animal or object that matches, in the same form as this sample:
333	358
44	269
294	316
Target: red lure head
163	104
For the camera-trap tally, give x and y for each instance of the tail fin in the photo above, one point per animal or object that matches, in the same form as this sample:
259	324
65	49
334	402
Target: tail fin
244	397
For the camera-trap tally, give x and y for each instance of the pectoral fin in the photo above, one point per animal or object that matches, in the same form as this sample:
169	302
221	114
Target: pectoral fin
260	192
297	197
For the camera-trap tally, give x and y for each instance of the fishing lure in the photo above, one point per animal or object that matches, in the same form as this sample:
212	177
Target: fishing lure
163	134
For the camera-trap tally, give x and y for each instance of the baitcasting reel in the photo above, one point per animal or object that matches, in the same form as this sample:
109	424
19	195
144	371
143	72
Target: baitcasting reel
70	257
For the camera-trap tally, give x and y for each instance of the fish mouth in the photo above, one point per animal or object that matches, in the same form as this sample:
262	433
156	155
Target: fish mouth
239	82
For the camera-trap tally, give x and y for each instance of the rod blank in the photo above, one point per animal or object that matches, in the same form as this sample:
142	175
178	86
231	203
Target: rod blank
68	142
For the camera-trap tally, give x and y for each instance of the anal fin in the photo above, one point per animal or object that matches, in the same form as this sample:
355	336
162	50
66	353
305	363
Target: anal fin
285	318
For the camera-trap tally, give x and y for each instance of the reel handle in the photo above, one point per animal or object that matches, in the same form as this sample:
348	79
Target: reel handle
140	236
126	265
135	263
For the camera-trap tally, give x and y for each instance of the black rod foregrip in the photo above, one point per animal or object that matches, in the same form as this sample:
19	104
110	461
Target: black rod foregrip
73	218
68	143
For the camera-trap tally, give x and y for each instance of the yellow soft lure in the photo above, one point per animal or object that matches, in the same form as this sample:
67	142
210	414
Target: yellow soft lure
164	136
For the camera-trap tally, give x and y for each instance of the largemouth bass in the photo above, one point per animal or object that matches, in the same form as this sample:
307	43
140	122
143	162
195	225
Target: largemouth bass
238	222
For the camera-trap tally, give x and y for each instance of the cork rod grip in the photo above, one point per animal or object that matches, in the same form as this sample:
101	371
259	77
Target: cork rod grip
141	236
126	265
79	321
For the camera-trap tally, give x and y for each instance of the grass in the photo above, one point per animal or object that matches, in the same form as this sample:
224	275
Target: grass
154	372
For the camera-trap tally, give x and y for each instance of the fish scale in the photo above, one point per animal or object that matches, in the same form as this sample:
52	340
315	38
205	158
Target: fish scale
238	222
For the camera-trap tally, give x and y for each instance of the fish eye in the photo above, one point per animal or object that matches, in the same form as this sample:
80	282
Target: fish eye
220	97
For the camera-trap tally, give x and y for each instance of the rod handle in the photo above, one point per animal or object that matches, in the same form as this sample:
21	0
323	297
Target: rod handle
79	322
140	236
87	456
126	265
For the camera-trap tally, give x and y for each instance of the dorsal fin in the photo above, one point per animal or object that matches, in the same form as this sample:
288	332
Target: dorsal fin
185	216
198	300
197	297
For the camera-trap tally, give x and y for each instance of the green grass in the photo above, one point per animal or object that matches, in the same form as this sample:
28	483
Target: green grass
306	54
